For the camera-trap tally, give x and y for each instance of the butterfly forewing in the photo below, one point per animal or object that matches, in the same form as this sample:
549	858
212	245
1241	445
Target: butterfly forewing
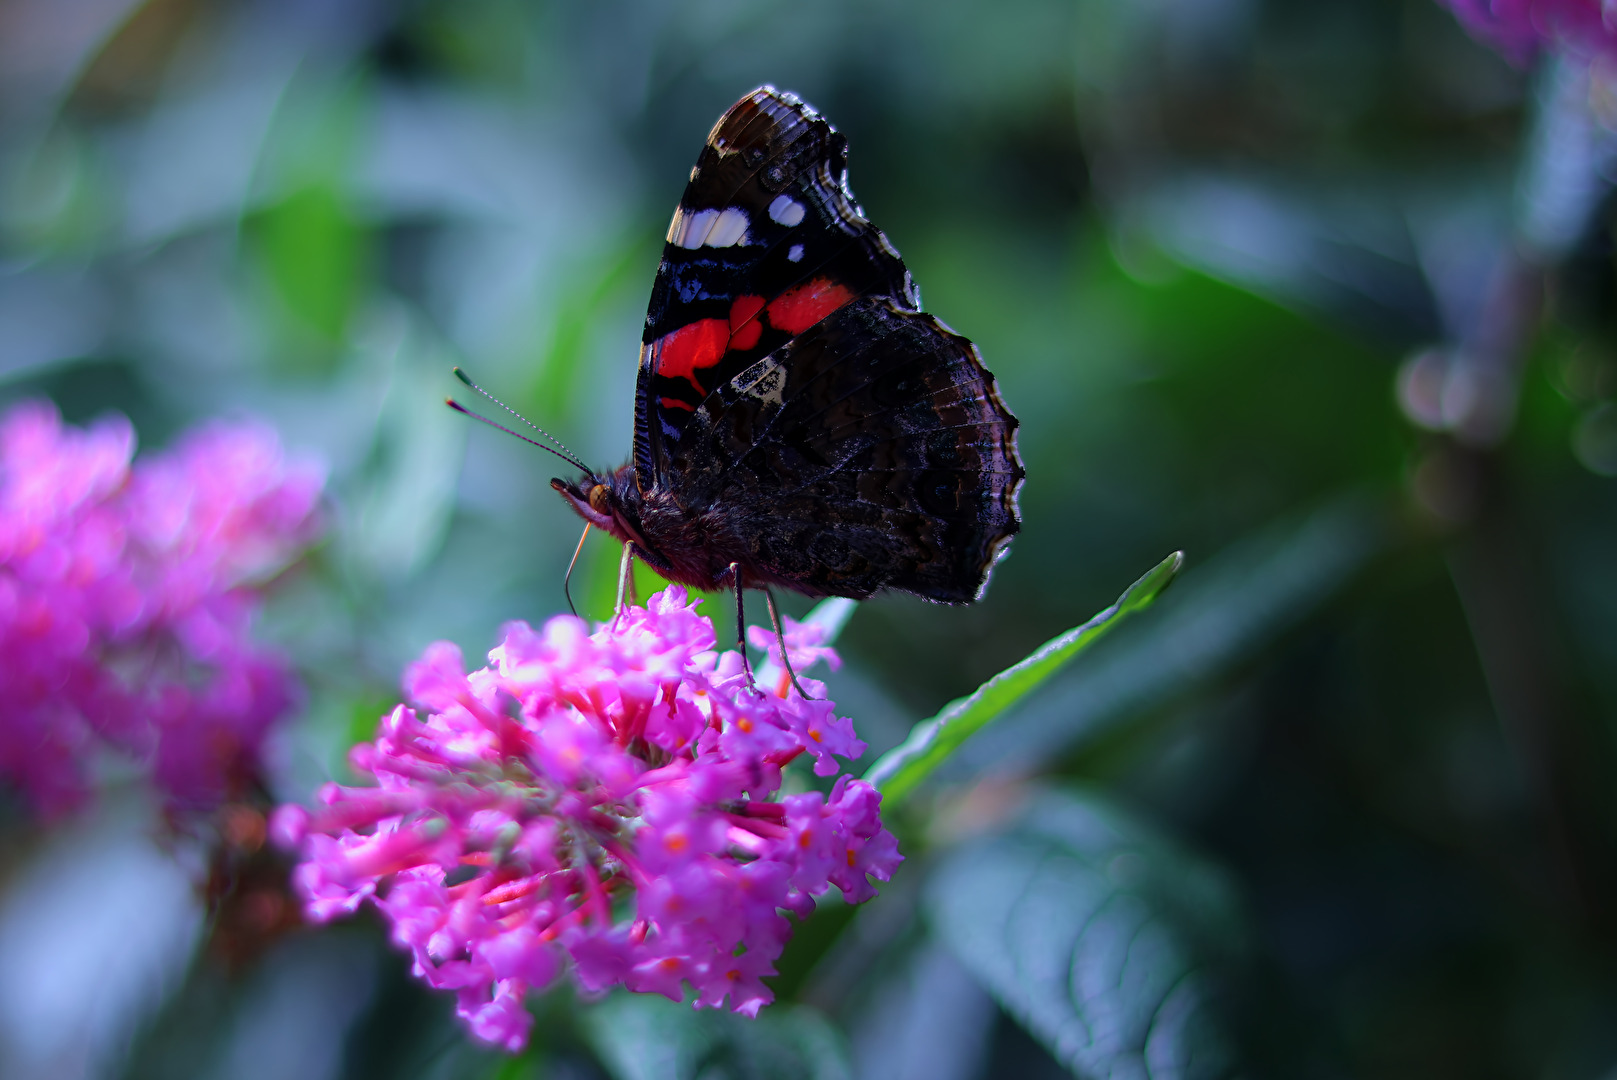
766	241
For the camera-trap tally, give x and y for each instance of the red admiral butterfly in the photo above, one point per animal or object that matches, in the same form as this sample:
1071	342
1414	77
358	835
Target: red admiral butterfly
799	421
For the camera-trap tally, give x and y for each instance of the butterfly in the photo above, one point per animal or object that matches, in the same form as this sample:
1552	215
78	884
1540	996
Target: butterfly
800	422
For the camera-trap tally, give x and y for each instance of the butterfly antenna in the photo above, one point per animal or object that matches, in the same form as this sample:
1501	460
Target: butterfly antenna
458	407
560	450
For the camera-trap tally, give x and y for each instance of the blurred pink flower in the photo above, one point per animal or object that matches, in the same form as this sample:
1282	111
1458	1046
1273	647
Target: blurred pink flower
608	799
1520	28
125	597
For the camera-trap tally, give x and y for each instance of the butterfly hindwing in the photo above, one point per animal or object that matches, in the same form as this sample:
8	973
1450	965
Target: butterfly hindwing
872	451
767	241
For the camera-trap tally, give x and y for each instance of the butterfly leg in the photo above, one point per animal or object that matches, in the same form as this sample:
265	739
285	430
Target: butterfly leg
625	576
741	619
780	639
565	591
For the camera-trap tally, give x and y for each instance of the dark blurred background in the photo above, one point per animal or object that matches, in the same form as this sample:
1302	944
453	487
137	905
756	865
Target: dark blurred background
1319	291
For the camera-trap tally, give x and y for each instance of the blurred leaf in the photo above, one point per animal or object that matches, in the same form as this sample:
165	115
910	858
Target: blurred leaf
902	769
365	715
1346	253
109	969
526	1067
316	255
410	489
579	317
599	592
48	316
1565	172
922	1016
1232	606
643	1037
1099	936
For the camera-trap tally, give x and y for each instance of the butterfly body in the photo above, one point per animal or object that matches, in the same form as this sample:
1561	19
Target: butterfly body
799	420
693	546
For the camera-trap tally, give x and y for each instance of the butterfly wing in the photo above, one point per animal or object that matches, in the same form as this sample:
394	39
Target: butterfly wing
766	241
794	396
870	452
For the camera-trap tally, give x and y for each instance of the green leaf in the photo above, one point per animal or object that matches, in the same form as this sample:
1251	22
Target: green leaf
1105	941
525	1067
644	1037
1234	605
902	769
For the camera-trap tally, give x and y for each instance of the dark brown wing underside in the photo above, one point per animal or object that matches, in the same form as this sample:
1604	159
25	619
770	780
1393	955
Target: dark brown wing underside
767	210
870	452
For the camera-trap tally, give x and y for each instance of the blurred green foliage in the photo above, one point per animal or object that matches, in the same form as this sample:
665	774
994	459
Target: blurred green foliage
1197	242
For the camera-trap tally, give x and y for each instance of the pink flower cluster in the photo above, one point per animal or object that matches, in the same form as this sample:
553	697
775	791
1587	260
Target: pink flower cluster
1519	28
609	800
125	597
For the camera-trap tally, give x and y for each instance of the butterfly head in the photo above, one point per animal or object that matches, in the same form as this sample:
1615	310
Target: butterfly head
608	502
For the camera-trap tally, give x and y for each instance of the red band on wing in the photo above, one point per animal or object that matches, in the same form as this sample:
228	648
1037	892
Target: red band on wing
795	310
700	344
675	403
745	327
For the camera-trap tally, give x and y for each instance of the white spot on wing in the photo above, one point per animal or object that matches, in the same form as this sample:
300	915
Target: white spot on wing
786	211
795	254
764	380
693	228
730	229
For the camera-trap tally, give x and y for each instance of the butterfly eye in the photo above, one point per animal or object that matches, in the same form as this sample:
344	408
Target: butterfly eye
600	499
